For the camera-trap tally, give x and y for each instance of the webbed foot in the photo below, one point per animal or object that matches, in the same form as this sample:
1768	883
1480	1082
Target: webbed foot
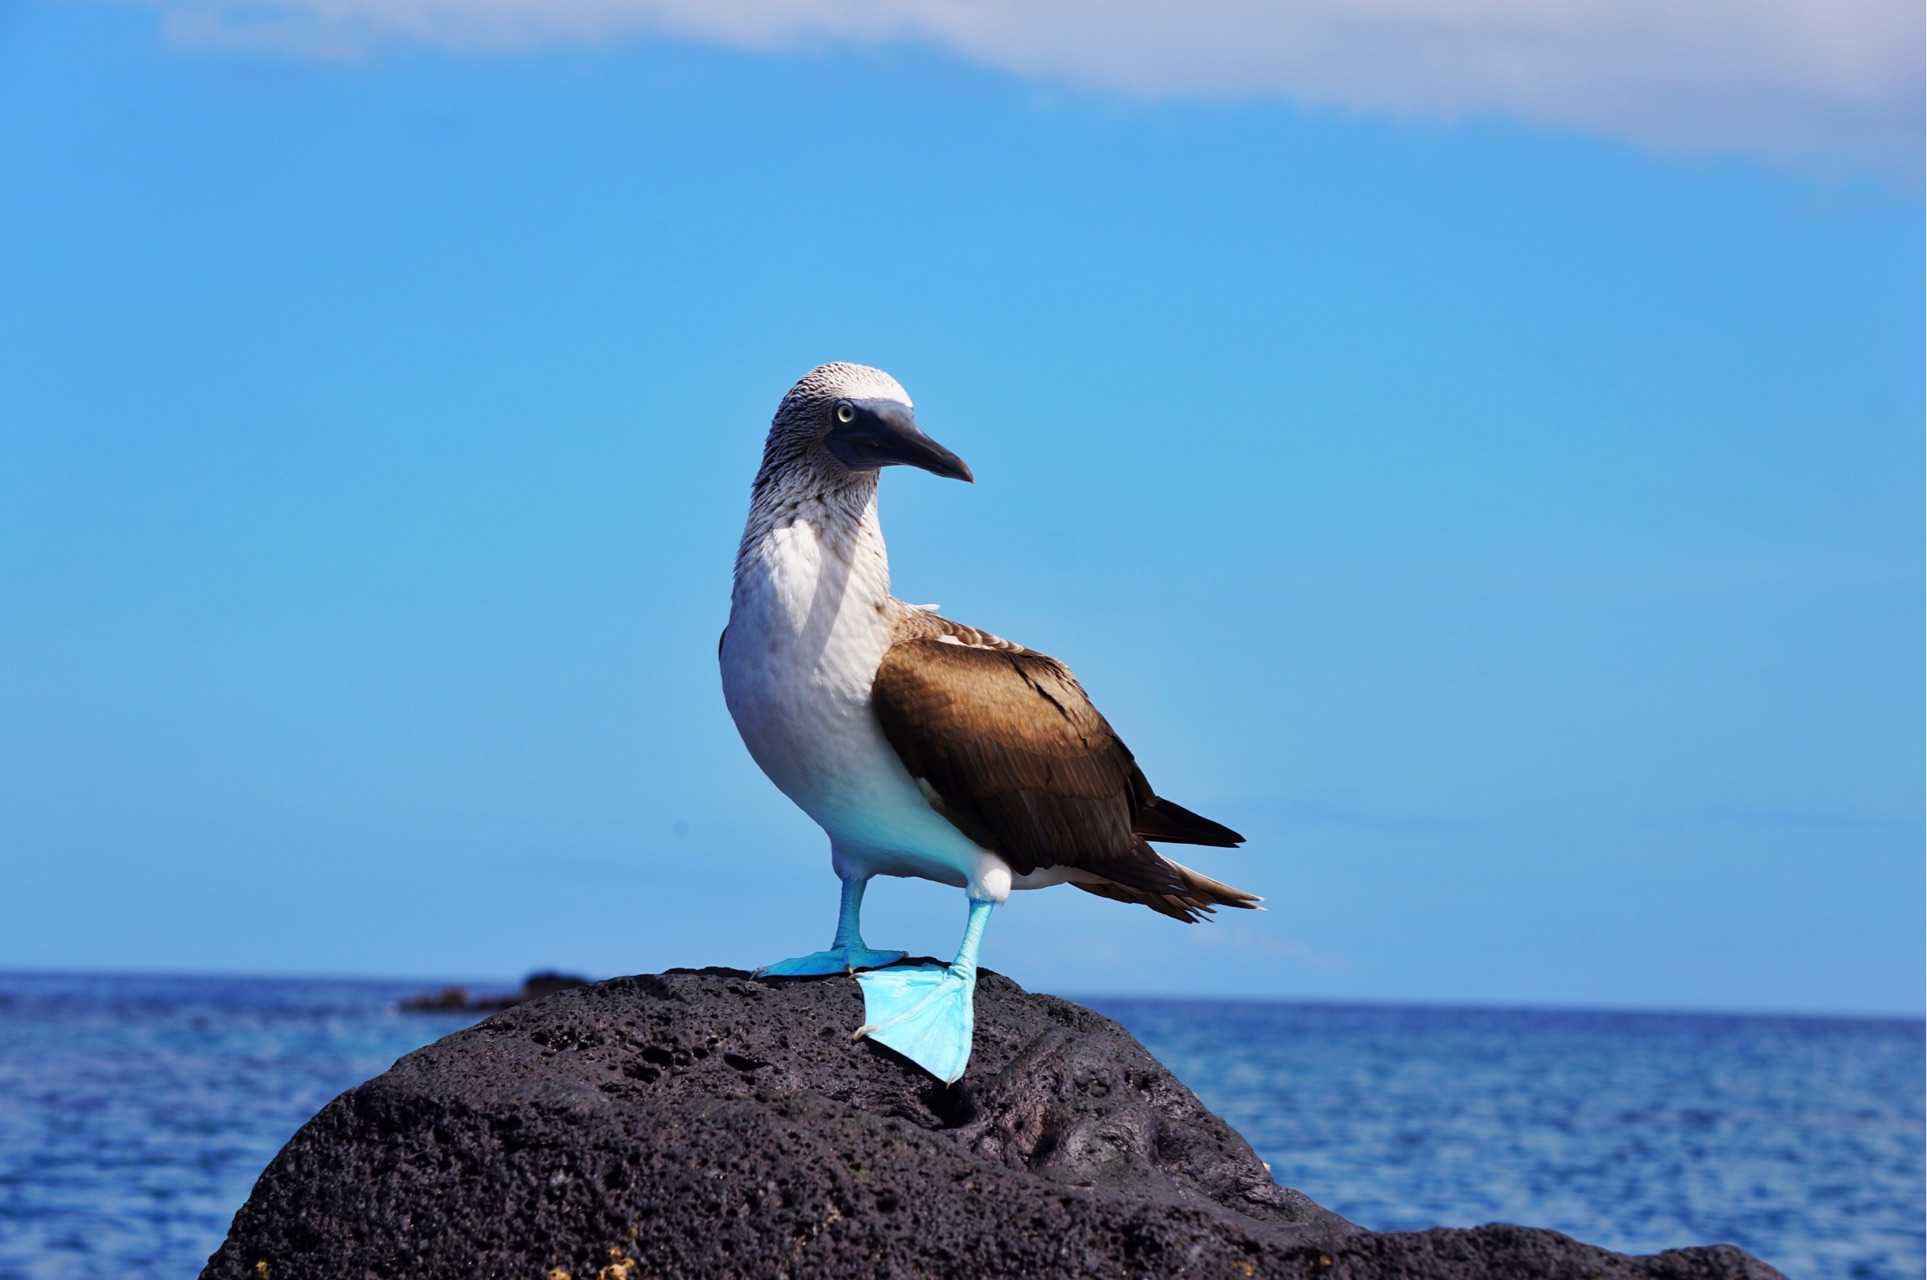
925	1012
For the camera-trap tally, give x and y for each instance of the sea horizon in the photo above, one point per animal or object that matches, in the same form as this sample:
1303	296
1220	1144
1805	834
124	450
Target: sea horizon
493	983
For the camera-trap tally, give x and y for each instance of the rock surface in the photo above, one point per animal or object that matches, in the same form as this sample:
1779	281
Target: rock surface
707	1124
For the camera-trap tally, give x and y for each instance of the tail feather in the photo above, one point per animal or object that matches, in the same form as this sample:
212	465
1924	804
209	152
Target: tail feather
1197	896
1172	823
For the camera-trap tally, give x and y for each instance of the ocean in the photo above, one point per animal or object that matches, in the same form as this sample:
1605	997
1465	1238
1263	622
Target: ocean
136	1112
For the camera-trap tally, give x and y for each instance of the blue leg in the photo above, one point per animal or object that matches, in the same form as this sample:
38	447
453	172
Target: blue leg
847	953
926	1012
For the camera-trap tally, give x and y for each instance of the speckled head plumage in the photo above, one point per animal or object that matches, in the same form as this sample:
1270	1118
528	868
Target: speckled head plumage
843	422
839	378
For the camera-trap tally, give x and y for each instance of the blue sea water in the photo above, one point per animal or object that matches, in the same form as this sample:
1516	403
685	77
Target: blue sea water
136	1112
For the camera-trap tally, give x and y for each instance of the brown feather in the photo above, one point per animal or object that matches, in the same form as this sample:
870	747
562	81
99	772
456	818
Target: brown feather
1024	765
1201	897
1172	823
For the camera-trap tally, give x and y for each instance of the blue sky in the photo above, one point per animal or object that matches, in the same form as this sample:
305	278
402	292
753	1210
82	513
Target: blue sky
1507	515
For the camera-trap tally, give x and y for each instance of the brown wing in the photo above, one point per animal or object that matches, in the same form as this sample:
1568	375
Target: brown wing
1018	758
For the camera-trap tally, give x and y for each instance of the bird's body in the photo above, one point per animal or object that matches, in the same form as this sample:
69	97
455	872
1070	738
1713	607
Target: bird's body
810	620
921	746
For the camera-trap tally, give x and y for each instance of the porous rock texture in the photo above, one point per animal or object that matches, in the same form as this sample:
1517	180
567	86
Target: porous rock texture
704	1123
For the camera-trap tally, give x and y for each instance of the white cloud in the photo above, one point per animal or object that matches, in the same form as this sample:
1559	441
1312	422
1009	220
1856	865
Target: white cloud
1833	80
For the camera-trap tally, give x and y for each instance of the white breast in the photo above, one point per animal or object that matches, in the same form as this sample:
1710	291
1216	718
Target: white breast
809	622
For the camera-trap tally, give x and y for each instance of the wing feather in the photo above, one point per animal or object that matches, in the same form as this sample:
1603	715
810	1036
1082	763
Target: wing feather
1018	758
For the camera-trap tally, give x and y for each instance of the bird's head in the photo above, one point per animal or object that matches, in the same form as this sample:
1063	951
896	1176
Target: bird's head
842	420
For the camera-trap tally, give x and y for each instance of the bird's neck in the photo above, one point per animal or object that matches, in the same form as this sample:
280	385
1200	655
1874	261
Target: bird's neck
815	536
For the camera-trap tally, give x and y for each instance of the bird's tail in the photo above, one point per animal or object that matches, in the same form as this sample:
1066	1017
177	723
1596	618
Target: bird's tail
1193	897
1172	823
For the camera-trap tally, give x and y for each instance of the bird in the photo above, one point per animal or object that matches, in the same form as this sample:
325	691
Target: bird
922	747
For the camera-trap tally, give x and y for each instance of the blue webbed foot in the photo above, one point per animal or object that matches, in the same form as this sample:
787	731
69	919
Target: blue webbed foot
836	960
925	1012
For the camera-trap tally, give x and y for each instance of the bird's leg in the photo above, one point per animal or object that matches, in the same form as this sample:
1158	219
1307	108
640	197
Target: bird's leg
847	953
927	1012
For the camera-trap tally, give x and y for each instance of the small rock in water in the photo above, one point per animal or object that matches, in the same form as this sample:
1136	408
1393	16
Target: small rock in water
458	999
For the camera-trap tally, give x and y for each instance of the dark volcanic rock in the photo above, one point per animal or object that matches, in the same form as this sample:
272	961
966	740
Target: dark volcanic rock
705	1124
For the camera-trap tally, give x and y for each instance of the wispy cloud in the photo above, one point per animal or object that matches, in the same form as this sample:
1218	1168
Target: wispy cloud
1829	80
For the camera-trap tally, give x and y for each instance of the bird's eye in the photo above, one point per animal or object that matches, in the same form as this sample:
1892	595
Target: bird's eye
845	412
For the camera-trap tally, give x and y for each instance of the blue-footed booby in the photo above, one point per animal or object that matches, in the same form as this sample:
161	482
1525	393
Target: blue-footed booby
921	746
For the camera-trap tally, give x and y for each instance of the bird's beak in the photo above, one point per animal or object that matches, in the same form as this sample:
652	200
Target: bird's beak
883	433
